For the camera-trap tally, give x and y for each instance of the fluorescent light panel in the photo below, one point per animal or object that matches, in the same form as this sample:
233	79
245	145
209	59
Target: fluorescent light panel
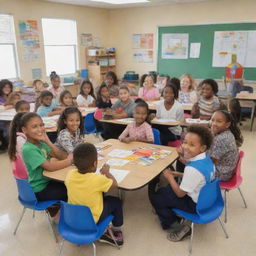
121	1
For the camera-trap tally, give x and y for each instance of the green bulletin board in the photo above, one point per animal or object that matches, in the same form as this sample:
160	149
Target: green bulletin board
201	67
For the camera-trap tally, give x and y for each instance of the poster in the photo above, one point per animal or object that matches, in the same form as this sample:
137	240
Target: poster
194	51
143	56
241	43
36	73
142	41
29	36
175	46
86	40
6	29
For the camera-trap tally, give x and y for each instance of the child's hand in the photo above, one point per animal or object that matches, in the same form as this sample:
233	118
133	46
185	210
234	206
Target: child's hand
167	173
177	174
183	160
45	138
70	157
105	169
126	140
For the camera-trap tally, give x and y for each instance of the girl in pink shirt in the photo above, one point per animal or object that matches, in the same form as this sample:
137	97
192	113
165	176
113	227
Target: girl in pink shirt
17	139
148	91
139	130
55	88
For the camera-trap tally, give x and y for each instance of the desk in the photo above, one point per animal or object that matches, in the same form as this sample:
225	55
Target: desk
249	97
139	175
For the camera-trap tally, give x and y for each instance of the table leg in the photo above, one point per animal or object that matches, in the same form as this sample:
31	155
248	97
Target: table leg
252	115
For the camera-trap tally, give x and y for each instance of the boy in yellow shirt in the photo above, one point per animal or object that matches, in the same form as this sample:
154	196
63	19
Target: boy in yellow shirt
85	187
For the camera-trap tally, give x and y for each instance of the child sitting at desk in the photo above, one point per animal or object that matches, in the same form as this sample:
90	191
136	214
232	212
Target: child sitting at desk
103	97
208	102
22	106
187	93
86	96
148	91
112	84
85	187
70	129
169	109
47	108
12	99
139	130
185	196
36	152
66	99
55	87
6	88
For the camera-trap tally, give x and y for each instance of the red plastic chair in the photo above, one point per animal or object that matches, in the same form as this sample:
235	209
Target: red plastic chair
98	114
175	143
233	183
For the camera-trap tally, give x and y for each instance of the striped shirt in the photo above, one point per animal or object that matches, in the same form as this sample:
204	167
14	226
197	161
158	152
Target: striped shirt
208	107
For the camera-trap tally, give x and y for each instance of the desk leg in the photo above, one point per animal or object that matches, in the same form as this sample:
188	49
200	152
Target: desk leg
253	114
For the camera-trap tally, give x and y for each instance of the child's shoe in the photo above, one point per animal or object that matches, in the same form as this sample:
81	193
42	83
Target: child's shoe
119	237
179	234
106	238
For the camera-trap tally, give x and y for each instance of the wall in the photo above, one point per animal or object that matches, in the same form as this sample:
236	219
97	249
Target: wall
89	20
124	22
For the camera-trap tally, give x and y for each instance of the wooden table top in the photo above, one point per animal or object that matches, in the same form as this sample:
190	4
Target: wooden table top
139	175
249	96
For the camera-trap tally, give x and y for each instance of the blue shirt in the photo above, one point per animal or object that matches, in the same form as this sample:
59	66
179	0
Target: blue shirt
45	110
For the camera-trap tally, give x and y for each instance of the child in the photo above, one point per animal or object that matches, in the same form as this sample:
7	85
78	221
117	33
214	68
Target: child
85	187
103	97
36	152
148	91
39	86
175	81
112	84
6	88
162	81
124	107
170	109
86	97
22	106
55	88
187	94
142	79
227	138
185	196
70	129
139	130
208	102
66	99
47	108
12	99
17	139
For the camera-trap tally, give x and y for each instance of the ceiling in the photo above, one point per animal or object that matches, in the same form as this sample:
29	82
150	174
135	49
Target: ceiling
112	6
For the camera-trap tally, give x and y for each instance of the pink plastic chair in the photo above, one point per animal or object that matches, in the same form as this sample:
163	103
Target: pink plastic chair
175	143
233	183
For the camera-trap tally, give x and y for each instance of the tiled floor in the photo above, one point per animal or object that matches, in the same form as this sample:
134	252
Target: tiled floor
142	233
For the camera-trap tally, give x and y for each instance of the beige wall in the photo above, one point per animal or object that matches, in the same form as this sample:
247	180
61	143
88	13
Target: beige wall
89	20
125	22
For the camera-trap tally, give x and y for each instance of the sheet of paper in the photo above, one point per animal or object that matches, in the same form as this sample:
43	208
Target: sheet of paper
196	121
87	109
49	118
118	174
120	153
165	120
117	162
128	121
194	50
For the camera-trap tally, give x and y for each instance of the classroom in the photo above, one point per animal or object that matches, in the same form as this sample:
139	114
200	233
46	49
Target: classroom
138	96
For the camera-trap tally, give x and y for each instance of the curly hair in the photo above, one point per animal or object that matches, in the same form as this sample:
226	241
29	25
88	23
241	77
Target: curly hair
212	83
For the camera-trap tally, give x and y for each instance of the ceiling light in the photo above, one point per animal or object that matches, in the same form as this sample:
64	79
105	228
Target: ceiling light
121	1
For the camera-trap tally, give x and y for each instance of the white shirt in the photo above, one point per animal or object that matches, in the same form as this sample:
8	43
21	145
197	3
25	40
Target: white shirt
193	180
175	113
81	100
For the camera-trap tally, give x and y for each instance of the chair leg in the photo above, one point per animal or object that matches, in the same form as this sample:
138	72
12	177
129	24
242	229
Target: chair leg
191	238
61	246
226	206
94	249
113	237
223	227
240	191
51	226
22	214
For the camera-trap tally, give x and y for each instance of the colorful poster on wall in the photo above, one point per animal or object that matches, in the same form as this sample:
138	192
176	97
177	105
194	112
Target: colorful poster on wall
29	36
175	46
142	41
145	56
86	40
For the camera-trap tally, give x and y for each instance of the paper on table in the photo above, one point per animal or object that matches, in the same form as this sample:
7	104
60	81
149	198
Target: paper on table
121	153
117	162
46	118
118	174
126	120
196	121
164	120
87	109
6	118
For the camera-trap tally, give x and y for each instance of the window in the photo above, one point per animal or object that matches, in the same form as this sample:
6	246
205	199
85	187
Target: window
60	46
8	63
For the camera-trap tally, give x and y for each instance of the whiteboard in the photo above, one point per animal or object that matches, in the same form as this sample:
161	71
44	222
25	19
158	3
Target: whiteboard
241	43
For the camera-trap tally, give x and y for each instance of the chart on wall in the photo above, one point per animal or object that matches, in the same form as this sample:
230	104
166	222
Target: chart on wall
29	36
175	46
241	43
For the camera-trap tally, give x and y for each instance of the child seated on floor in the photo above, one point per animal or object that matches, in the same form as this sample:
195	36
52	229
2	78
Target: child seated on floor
85	187
184	196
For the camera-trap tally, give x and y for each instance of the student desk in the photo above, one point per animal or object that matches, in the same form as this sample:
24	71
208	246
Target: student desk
139	175
249	97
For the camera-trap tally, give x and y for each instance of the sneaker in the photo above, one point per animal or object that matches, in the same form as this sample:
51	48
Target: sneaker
106	238
178	235
119	236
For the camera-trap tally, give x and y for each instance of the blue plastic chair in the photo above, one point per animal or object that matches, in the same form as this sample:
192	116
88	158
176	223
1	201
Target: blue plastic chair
28	199
89	124
77	225
156	133
209	208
